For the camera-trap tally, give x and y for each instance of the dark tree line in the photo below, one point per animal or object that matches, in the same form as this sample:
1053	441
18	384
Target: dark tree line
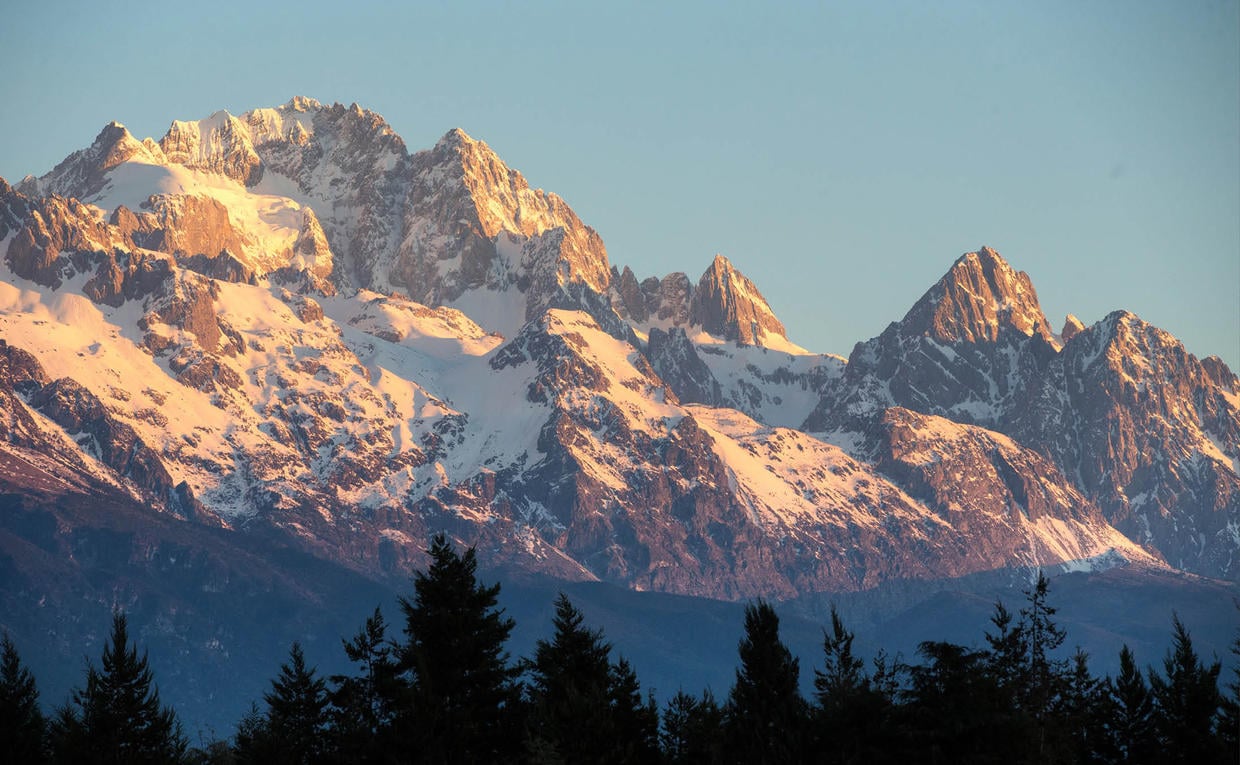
446	691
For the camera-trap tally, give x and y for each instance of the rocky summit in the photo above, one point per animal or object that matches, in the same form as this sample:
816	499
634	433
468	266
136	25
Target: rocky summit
284	327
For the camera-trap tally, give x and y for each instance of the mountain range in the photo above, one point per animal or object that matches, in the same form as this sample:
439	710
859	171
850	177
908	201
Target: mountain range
262	359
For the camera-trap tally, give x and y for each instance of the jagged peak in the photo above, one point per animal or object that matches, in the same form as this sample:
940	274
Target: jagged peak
455	137
81	173
722	271
301	104
980	295
476	160
727	304
1123	334
1072	327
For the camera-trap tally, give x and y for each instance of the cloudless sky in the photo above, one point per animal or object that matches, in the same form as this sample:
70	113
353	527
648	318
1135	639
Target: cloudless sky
840	154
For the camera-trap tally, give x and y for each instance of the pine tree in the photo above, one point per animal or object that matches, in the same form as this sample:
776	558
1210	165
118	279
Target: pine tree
1187	703
635	723
1008	655
674	733
1030	682
1043	675
22	727
1085	712
293	731
117	717
843	674
584	707
464	698
570	691
692	730
1131	713
252	743
852	719
952	711
363	706
765	714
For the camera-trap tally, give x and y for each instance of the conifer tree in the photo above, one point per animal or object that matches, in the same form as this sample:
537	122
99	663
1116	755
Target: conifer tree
570	683
1187	703
674	731
952	709
363	706
692	730
1030	682
1085	712
843	674
292	732
1007	658
464	700
1043	674
1131	709
584	707
22	727
852	718
765	714
252	743
117	717
1229	722
635	723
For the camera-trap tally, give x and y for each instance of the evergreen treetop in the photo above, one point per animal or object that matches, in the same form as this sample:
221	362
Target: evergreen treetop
22	727
118	716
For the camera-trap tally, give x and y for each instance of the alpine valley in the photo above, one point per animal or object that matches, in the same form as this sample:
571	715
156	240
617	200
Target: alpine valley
247	370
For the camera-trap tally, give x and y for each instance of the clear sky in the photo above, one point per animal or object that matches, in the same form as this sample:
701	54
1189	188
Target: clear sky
841	154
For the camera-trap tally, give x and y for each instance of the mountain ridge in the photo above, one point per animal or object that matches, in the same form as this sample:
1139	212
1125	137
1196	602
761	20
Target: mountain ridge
378	343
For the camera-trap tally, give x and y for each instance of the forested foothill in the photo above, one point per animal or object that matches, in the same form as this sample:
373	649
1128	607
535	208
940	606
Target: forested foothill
442	688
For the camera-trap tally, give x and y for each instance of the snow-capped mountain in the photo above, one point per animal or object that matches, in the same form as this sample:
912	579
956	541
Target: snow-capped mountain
285	325
1143	428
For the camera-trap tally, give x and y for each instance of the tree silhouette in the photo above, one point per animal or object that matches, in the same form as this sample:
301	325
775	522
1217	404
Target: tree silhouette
953	709
853	716
22	727
117	717
464	700
1085	711
1131	713
293	730
1044	676
1229	721
1187	703
583	707
692	729
363	706
765	715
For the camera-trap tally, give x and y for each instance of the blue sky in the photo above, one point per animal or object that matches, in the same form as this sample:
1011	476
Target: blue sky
841	154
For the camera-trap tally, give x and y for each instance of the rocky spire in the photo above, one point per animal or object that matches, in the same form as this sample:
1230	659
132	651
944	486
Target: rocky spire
81	174
219	144
727	304
1072	327
980	296
473	223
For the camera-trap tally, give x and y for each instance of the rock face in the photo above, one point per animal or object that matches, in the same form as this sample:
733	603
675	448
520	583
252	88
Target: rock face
474	225
59	428
1152	434
676	360
1072	327
726	303
1144	429
286	324
84	173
